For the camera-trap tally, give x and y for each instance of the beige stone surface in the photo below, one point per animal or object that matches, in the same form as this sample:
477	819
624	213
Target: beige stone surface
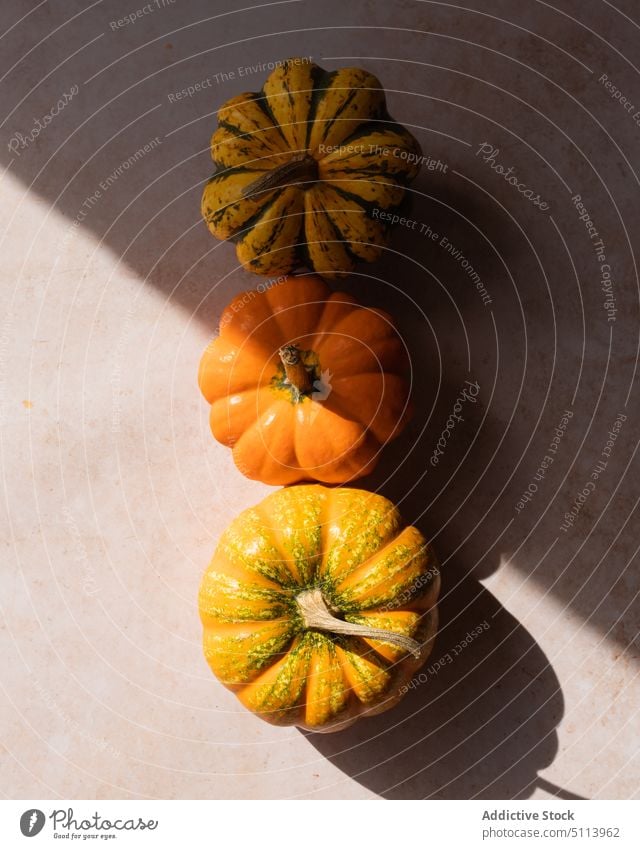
114	493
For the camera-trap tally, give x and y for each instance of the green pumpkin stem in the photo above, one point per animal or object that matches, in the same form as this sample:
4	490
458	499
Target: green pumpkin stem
316	614
297	375
300	169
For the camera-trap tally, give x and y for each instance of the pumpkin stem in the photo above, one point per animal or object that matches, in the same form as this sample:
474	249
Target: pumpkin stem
316	614
300	169
297	375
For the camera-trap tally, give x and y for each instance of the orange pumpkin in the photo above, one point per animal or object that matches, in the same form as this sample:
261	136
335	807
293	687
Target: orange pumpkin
318	606
304	383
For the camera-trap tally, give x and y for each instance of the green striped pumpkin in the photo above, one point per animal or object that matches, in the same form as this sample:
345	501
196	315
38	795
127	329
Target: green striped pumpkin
308	170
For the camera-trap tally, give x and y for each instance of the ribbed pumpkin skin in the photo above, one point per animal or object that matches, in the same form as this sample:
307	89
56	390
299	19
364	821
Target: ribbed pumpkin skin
334	435
371	568
328	221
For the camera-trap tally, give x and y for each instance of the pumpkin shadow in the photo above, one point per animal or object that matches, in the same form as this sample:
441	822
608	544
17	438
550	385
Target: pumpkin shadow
480	721
467	483
460	510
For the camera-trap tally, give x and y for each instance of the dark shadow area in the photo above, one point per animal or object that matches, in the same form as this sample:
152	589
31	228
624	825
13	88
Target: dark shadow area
482	725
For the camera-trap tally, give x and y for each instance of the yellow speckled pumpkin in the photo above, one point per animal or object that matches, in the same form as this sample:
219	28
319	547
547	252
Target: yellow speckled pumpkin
318	606
307	169
305	383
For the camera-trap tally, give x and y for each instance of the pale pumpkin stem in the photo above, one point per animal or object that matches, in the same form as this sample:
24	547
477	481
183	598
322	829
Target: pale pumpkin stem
299	169
297	375
316	614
